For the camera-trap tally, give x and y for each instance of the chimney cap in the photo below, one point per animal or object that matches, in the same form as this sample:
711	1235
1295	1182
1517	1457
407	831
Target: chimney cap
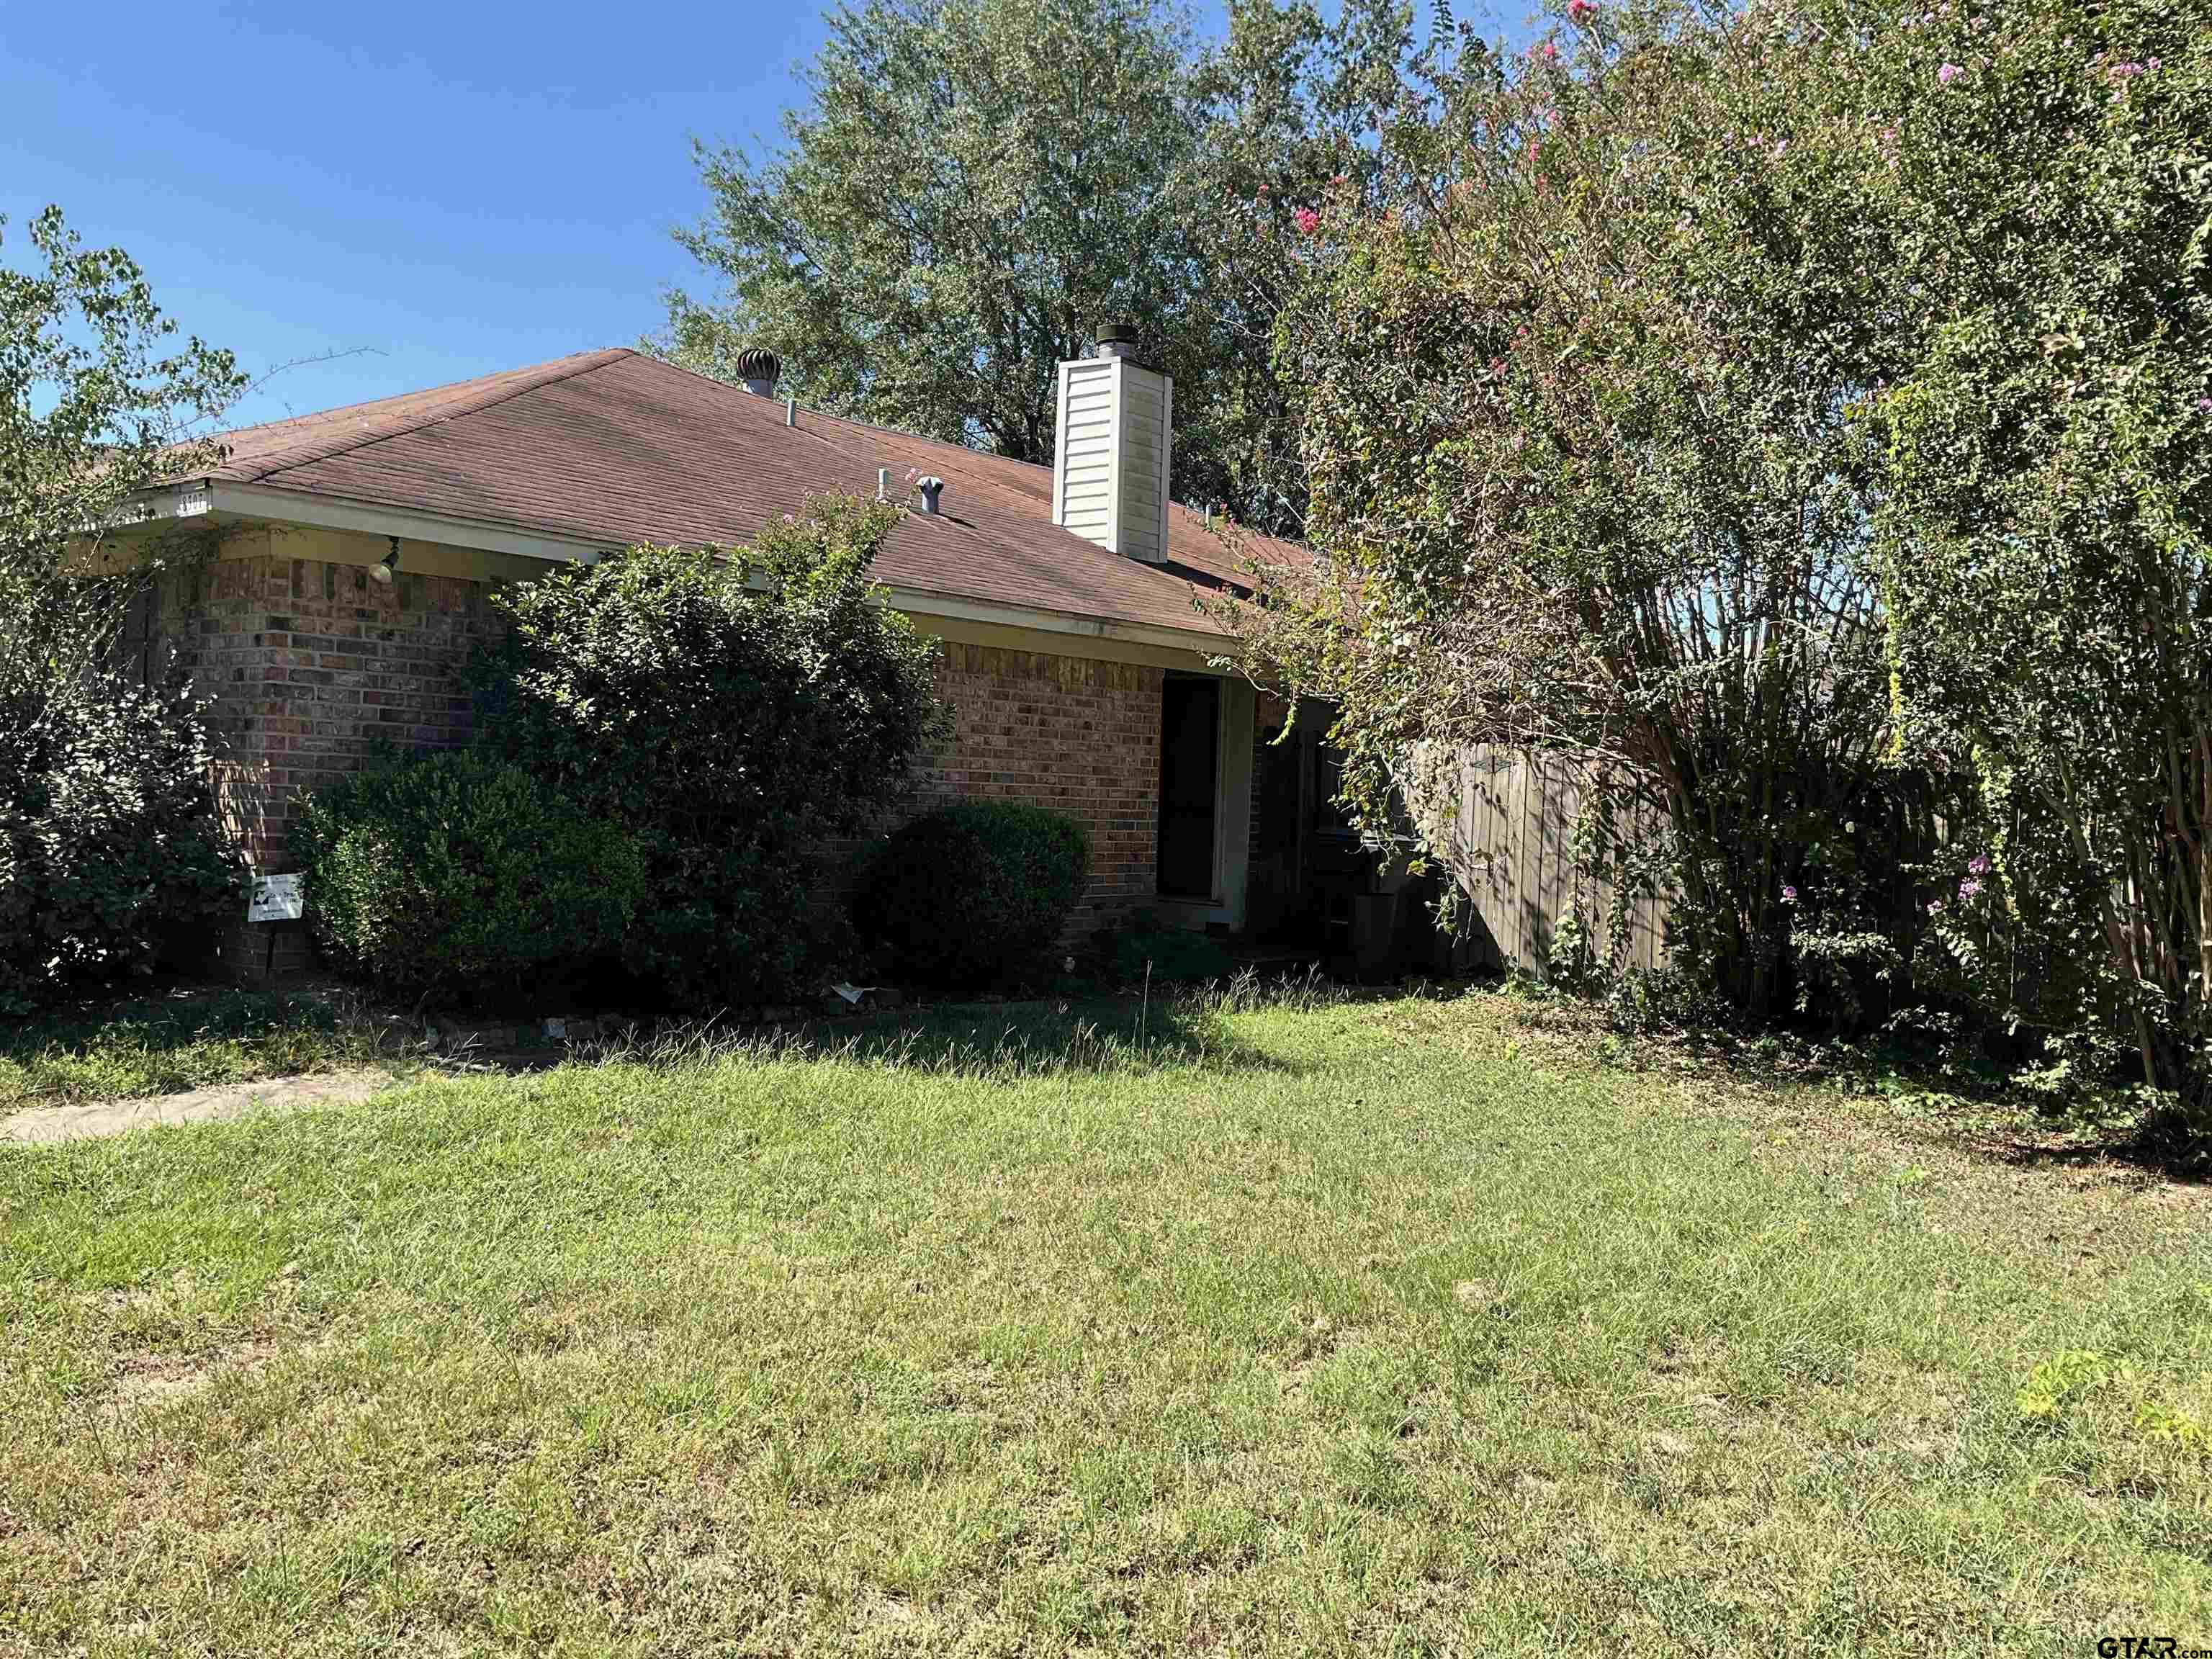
1119	339
760	369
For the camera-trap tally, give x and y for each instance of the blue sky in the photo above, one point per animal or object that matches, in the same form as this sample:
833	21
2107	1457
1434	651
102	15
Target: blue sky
438	190
455	188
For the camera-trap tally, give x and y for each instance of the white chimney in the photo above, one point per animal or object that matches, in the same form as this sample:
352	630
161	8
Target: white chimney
1109	466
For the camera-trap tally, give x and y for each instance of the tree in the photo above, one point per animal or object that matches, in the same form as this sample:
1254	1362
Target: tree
1581	396
976	185
1291	105
109	834
2043	546
99	401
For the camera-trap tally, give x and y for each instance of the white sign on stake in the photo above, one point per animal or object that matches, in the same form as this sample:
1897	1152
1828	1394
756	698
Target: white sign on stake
276	898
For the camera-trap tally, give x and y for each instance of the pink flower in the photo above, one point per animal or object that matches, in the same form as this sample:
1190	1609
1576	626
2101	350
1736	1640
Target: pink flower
1979	864
1934	907
1948	73
1308	221
1789	895
1968	887
1497	365
2204	405
1582	11
1548	53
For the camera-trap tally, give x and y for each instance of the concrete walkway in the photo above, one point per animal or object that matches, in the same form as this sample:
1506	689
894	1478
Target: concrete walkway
42	1124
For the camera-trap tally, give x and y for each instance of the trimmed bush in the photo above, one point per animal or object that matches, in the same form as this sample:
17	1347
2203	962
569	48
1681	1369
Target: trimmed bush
736	731
973	894
455	872
110	841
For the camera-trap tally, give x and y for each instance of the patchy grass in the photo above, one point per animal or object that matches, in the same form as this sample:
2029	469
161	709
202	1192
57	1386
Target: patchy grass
186	1038
1382	1327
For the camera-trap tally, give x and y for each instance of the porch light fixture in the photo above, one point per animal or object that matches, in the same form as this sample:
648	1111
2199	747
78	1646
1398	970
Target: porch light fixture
382	569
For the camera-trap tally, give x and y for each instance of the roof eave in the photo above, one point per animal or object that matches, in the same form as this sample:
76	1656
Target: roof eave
224	498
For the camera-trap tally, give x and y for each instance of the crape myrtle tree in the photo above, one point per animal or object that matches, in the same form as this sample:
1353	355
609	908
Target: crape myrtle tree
1583	398
973	187
2042	542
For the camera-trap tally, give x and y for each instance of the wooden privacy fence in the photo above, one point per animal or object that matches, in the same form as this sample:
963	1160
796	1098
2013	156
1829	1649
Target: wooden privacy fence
1513	857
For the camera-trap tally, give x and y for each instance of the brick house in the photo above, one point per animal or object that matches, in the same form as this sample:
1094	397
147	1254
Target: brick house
355	550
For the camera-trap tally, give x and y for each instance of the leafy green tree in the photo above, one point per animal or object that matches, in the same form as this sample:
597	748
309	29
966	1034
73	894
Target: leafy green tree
109	834
1291	105
974	187
2043	544
99	400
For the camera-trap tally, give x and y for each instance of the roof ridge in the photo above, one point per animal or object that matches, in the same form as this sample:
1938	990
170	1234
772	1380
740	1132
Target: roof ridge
844	420
532	379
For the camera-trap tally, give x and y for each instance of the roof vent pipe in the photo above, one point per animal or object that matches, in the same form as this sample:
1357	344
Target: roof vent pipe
791	412
760	370
932	488
882	484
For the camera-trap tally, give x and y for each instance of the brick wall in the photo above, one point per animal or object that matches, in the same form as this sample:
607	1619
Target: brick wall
1075	734
310	664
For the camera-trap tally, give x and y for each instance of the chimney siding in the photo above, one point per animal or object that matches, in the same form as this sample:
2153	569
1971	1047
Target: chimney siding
1110	470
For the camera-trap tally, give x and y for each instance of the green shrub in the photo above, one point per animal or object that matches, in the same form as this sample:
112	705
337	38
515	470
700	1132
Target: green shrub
455	872
973	894
110	841
736	730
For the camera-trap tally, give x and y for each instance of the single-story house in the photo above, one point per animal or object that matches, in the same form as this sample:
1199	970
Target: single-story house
356	548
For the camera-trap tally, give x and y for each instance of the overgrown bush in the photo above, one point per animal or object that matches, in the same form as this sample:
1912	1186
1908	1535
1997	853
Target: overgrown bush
736	717
110	840
973	894
456	872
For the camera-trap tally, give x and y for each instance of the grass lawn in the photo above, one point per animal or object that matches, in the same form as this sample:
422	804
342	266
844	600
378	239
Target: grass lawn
181	1038
1382	1328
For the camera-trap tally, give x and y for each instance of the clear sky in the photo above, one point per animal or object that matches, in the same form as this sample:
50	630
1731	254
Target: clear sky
445	190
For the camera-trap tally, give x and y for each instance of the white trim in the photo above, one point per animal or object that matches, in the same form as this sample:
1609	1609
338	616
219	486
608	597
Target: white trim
370	518
1167	461
920	602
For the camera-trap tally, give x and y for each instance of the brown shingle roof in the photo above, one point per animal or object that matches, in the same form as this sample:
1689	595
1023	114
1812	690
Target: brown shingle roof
616	447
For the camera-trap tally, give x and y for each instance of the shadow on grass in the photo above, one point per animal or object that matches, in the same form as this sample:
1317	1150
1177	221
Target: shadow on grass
999	1042
181	1036
1950	1088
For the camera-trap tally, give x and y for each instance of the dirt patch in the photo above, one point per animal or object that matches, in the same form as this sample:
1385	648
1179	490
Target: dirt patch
149	1380
42	1125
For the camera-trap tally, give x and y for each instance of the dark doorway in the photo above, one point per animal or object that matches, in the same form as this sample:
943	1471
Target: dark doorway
1190	740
